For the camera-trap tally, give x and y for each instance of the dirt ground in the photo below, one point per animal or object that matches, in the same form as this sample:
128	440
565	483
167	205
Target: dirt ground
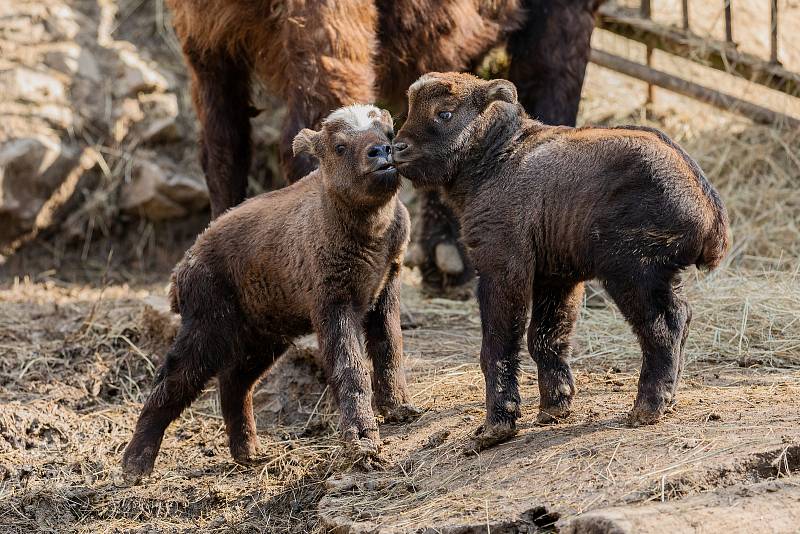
76	360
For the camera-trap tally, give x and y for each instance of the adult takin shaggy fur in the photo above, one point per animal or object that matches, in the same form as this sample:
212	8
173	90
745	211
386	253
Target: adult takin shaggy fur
543	209
321	255
319	55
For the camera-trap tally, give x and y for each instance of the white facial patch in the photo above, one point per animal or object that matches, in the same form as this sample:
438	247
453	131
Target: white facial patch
358	116
422	80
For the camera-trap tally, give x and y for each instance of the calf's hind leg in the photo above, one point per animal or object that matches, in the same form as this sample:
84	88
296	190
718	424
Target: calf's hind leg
553	315
236	384
194	358
659	319
384	342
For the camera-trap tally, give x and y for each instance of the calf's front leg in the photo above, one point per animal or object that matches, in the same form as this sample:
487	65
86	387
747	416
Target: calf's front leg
385	348
341	346
503	312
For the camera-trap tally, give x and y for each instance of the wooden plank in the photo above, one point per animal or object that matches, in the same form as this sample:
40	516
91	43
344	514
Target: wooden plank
672	83
715	54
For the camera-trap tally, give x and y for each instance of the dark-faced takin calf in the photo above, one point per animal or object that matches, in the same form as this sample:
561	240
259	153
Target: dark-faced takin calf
543	209
321	255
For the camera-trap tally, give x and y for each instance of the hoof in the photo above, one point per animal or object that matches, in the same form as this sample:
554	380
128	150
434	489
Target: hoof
363	454
487	435
246	453
404	413
641	416
552	414
137	465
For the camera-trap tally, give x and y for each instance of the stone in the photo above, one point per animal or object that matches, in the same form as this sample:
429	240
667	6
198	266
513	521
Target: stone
22	83
31	169
136	76
157	193
72	60
160	118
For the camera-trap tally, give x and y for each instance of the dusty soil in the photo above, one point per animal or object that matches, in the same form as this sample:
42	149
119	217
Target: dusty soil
76	361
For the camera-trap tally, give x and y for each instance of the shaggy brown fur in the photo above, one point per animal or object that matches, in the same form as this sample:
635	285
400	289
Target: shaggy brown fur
545	208
321	255
319	55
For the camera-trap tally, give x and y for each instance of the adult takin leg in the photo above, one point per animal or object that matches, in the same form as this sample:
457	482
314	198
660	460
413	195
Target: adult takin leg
549	54
437	249
221	96
555	309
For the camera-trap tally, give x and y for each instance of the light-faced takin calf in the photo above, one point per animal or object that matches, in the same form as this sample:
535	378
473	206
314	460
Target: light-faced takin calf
321	255
543	209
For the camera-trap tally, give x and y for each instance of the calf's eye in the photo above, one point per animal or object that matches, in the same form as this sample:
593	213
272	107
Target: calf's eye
445	115
339	149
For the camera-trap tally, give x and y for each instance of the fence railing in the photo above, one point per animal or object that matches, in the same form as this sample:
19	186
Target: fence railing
637	25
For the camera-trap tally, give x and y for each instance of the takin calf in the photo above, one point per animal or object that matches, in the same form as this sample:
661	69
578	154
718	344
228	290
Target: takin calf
322	255
543	209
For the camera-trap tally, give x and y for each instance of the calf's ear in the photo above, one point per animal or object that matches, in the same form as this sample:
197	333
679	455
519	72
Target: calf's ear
305	141
501	90
387	117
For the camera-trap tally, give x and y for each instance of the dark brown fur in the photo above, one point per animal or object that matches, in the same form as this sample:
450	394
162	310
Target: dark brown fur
321	55
543	209
321	255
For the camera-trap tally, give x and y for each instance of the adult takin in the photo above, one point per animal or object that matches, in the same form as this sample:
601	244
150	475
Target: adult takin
321	255
544	209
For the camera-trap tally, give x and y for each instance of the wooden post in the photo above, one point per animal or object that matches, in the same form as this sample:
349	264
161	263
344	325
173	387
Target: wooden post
728	22
646	13
773	40
644	9
685	13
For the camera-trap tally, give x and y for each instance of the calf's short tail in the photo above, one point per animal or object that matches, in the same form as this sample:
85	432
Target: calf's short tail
716	242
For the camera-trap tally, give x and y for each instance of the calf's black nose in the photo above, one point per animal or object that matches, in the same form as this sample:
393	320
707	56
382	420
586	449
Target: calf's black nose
379	151
400	146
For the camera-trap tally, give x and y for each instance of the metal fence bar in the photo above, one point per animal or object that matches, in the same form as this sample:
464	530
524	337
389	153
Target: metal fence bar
672	83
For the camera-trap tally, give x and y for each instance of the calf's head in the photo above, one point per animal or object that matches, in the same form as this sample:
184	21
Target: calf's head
447	113
354	149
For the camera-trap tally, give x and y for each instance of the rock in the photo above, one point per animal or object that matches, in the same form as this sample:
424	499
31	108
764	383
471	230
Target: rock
61	23
157	193
160	113
291	389
31	169
136	76
22	83
72	60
